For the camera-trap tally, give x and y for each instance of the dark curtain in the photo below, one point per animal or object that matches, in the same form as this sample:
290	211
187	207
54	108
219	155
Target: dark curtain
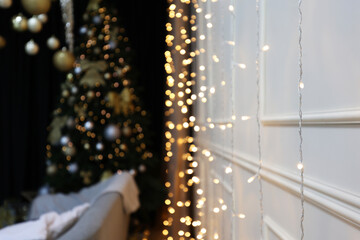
30	86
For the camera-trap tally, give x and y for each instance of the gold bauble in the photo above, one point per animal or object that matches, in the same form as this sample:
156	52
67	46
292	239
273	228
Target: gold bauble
63	60
2	42
36	7
19	22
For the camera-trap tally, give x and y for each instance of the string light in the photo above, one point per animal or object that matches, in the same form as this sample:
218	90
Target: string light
300	165
260	161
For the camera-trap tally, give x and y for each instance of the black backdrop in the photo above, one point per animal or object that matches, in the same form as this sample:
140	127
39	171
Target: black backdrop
30	86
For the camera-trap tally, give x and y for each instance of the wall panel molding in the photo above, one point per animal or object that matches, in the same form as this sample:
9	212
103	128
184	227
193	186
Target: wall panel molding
271	225
341	116
341	204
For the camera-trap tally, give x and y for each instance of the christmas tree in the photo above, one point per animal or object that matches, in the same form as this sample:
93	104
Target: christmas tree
100	127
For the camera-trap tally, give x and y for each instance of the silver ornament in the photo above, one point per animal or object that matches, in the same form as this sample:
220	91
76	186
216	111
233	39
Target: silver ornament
70	123
72	168
53	43
99	146
34	24
42	17
142	168
64	140
31	47
74	90
89	125
83	30
112	132
77	70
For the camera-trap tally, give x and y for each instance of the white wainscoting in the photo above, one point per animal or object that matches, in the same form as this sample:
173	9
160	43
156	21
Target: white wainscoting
271	225
343	205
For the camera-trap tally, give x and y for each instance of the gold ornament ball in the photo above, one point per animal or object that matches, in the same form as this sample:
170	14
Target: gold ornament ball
5	3
63	60
36	7
2	42
19	23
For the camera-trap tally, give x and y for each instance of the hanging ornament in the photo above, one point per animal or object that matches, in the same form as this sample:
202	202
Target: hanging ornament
87	146
69	150
77	70
70	123
36	7
2	42
64	140
74	90
5	3
97	19
63	60
83	30
72	168
112	132
34	25
127	131
90	94
53	43
142	168
51	169
42	17
31	47
99	146
89	125
19	23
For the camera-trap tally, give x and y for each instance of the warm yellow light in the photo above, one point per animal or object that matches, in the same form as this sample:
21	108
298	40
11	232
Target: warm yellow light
228	170
300	166
265	48
301	85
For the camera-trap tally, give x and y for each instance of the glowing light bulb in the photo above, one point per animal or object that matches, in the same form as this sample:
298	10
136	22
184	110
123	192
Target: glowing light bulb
228	170
223	207
231	43
202	37
212	90
216	181
244	118
301	85
209	25
300	166
251	179
231	8
215	58
216	210
242	65
265	48
208	16
202	68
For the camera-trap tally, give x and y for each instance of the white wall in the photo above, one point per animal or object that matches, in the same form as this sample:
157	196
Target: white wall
331	45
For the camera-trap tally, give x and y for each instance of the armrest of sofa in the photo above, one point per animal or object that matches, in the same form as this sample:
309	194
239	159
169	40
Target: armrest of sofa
104	220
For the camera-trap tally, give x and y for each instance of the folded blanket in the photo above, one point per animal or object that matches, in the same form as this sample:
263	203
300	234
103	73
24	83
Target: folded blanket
122	183
49	226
